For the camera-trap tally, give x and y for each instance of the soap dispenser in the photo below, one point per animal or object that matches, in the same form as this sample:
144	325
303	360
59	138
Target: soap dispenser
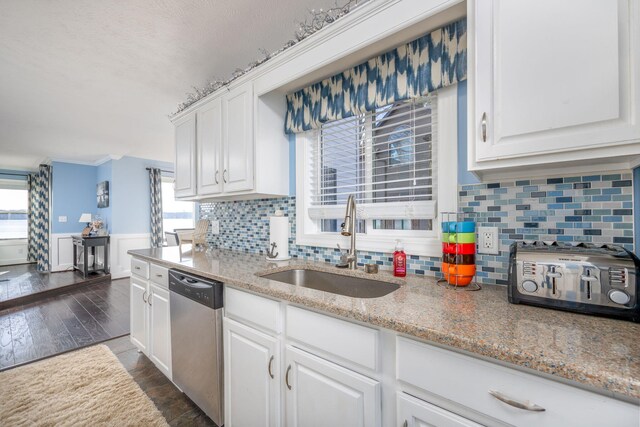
399	260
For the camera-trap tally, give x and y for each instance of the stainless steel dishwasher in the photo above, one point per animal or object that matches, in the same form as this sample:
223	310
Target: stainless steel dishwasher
196	341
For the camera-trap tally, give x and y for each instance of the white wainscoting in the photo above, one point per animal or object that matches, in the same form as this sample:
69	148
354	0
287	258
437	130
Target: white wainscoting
120	244
119	260
61	256
13	251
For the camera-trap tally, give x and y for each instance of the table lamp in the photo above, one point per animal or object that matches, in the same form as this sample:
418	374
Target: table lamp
86	217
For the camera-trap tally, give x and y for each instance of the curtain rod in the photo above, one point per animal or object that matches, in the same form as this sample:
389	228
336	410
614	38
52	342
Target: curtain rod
15	174
161	170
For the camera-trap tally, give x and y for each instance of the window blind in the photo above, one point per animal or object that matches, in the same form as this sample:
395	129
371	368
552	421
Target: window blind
385	157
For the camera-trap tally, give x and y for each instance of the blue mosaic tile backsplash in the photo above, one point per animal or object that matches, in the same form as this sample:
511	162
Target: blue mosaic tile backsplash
244	226
595	208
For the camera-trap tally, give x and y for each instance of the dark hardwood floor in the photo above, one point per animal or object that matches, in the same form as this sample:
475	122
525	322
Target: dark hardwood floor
71	320
175	406
22	284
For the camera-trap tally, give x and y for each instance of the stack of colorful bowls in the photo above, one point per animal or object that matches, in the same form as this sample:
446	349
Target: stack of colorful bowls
459	252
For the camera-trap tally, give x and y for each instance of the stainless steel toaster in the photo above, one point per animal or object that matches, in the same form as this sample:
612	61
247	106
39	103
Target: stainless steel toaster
585	278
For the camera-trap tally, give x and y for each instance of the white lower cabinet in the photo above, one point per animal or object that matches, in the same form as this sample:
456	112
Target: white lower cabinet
251	375
150	319
139	313
323	380
414	412
321	393
159	328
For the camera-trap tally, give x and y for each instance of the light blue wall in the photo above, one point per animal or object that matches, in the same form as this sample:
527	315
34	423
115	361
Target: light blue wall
636	208
129	194
103	173
292	164
73	192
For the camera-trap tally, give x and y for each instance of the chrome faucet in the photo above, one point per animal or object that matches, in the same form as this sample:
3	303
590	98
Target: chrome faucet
349	229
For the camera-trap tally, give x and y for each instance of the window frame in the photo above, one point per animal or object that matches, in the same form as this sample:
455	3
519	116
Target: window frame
172	180
21	185
426	243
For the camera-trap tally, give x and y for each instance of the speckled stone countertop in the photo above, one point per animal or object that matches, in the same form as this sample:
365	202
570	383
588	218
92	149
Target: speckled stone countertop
596	352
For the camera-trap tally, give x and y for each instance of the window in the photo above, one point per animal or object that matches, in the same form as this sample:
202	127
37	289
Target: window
393	161
175	214
14	202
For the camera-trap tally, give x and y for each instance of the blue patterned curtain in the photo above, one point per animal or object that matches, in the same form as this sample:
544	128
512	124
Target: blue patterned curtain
38	244
155	185
431	62
32	253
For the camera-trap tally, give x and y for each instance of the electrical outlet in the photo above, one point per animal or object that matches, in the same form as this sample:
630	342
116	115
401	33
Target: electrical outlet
62	218
488	242
215	227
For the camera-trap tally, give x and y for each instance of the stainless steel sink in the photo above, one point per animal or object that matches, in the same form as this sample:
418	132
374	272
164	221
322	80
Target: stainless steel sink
355	287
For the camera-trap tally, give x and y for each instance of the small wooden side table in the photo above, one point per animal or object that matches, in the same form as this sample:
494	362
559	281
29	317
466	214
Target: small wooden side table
86	244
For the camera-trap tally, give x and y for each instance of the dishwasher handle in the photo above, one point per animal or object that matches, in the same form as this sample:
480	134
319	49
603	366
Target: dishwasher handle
193	283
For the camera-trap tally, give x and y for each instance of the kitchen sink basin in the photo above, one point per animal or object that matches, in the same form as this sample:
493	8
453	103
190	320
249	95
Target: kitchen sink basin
349	286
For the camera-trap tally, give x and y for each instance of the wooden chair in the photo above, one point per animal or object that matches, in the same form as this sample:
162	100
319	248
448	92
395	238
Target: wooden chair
200	234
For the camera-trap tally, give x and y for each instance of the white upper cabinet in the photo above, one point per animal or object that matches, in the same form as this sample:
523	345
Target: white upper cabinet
238	138
552	81
185	173
209	157
223	151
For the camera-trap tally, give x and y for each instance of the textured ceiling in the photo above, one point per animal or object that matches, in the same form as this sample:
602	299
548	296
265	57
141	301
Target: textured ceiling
80	80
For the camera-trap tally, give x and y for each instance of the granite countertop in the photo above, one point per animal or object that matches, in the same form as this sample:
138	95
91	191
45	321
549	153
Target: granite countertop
595	352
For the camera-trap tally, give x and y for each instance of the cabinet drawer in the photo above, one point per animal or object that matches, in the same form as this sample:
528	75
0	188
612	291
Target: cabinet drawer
140	268
261	312
467	381
340	338
159	275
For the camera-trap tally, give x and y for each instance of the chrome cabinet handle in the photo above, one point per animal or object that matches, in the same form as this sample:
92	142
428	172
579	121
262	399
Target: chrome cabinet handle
527	406
217	171
269	367
224	176
137	268
286	378
158	275
149	298
143	298
484	127
405	423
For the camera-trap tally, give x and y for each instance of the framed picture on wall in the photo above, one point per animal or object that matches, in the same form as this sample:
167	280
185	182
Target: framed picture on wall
103	194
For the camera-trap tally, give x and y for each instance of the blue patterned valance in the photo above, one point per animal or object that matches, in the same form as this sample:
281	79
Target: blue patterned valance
433	61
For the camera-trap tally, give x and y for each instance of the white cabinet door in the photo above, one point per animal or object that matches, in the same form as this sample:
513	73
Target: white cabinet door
139	313
238	138
321	393
185	173
252	380
209	142
552	76
159	328
413	412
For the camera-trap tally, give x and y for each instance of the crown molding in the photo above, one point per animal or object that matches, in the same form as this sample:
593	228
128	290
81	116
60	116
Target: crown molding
98	162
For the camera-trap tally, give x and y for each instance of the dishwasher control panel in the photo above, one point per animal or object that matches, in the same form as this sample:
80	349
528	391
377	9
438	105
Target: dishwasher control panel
204	291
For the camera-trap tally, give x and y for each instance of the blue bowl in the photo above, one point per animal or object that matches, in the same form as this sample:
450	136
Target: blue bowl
458	227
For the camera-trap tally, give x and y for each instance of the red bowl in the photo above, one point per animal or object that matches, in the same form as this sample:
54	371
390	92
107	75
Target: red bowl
459	248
